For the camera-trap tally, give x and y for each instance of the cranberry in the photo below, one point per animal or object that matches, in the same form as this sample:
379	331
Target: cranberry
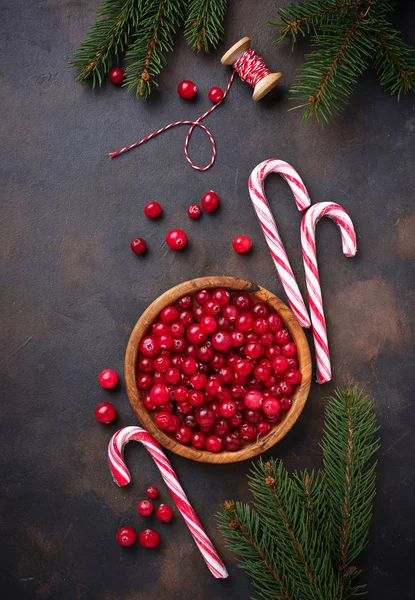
247	432
145	508
149	538
177	329
205	353
213	385
138	245
226	374
254	350
174	424
191	422
251	336
169	314
224	324
189	365
289	349
202	296
186	317
162	363
282	337
285	388
227	409
152	210
243	367
194	211
267	338
218	362
262	427
272	352
186	89
163	420
224	395
244	322
285	403
183	434
222	296
232	442
149	346
212	308
185	302
241	244
152	492
237	339
262	372
198	381
293	376
159	377
208	324
116	76
179	345
221	340
164	513
230	312
238	393
146	364
108	379
196	398
185	408
198	313
176	239
253	399
270	382
274	322
160	328
236	420
210	201
195	335
172	375
205	416
126	536
252	416
105	412
260	326
293	362
168	408
221	427
213	443
215	94
271	406
198	440
280	364
273	419
206	429
148	403
144	381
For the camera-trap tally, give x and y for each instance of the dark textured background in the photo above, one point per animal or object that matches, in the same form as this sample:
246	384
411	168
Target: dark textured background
72	290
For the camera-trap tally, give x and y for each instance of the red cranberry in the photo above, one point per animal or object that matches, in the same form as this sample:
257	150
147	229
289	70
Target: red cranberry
168	408
126	536
183	434
180	393
162	363
270	382
212	308
191	350
230	312
285	402
206	430
282	337
221	427
232	442
144	381
198	381
274	322
236	420
148	403
221	341
189	365
149	538
273	419
218	362
159	378
159	394
176	239
194	211
169	314
227	409
195	335
238	379
152	210
166	341
260	326
241	244
263	427
247	432
186	89
149	346
293	376
272	352
185	302
253	399
172	375
190	421
267	338
251	337
285	388
238	393
271	406
262	372
213	443
186	317
164	513
289	349
252	416
237	339
293	362
163	420
174	424
243	367
105	412
108	379
223	324
198	313
244	322
116	76
260	310
198	440
254	350
205	353
205	416
280	364
226	374
152	492
213	385
185	408
196	398
177	361
202	296
215	95
222	296
208	324
146	364
145	508
138	245
210	201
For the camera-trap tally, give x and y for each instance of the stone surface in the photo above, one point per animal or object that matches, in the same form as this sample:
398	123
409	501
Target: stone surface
72	290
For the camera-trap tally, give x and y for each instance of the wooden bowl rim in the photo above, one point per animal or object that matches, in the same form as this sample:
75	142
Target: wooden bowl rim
190	287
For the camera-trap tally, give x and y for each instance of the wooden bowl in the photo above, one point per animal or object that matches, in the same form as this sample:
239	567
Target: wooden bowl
189	288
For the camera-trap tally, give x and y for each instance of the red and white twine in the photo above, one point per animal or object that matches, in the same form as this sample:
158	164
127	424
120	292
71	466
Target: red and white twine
250	67
270	230
308	242
122	477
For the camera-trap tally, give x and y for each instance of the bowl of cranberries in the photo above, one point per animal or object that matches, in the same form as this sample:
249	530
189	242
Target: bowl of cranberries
218	369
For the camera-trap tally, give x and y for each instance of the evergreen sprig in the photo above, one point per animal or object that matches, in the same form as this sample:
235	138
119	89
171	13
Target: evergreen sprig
347	37
304	532
204	23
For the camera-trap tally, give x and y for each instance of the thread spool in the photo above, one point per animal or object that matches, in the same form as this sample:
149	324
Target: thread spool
262	87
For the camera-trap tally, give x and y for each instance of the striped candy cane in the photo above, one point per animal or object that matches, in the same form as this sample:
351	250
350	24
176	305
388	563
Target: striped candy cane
308	243
122	477
269	227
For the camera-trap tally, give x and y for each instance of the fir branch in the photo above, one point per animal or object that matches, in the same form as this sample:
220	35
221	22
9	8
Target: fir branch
154	36
394	62
107	38
204	23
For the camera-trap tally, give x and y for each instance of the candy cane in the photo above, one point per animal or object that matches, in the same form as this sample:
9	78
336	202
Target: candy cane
122	477
269	227
308	242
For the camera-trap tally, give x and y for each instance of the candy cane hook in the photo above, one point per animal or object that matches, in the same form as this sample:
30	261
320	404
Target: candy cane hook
269	227
308	243
122	477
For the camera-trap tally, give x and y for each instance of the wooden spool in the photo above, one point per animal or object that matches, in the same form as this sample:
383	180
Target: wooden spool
262	87
143	326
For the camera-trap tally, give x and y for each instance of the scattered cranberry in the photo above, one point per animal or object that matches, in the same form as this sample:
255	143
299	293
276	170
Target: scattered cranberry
241	244
176	239
152	492
194	211
116	76
215	95
145	508
152	210
105	412
149	538
164	513
186	89
138	245
210	201
108	379
126	536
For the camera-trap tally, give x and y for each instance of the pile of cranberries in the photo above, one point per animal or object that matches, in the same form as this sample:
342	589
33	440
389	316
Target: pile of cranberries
218	370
